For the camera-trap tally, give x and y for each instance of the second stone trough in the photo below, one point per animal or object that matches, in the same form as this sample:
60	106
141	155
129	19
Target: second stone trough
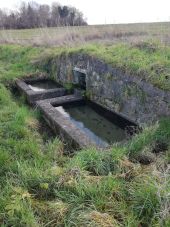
81	128
39	88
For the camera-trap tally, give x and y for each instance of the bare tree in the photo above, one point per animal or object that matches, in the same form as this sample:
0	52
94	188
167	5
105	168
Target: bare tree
44	16
33	15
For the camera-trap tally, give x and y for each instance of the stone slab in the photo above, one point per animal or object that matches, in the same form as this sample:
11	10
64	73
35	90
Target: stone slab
33	96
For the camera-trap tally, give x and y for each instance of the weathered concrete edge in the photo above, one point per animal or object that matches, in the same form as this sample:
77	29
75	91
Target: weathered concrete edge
33	96
62	125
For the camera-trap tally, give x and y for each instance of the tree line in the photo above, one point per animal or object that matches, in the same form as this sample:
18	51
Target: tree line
34	15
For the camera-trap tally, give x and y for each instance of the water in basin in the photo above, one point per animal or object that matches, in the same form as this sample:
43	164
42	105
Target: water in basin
43	85
97	126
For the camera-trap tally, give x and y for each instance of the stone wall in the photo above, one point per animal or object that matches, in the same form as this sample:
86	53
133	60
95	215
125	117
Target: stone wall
116	90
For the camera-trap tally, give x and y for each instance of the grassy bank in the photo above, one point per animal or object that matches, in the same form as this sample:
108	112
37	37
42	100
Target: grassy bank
39	186
147	60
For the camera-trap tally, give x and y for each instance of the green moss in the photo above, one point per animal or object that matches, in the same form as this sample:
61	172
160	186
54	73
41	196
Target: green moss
68	86
108	76
88	94
134	91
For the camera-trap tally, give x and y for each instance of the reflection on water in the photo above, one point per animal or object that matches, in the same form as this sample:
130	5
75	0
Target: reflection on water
43	85
62	111
97	126
34	88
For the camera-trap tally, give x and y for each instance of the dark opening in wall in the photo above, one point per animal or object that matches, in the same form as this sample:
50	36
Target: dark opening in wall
79	78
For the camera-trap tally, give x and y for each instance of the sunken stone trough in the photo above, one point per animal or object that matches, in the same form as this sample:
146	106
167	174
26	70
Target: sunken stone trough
83	123
39	88
114	89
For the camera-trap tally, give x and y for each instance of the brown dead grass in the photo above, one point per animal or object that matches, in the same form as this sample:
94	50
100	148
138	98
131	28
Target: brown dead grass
72	36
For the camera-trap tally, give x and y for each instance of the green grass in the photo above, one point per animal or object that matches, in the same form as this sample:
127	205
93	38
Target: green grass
149	60
39	186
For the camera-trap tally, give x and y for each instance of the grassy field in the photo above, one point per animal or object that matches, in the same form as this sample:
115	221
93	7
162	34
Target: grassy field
69	36
40	186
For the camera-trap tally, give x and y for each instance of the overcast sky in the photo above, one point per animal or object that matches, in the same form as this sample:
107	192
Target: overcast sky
112	11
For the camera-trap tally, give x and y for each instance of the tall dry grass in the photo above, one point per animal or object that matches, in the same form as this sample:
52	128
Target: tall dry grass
71	36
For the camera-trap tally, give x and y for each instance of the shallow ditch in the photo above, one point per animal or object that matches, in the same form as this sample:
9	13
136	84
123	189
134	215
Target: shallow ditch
79	122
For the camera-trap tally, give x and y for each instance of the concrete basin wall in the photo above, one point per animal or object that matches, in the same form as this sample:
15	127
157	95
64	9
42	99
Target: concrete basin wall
118	91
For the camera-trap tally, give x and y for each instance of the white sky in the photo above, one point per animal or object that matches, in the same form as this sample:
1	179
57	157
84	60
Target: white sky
112	11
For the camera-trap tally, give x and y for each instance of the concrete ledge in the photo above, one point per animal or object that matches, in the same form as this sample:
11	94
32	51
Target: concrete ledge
62	125
33	96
